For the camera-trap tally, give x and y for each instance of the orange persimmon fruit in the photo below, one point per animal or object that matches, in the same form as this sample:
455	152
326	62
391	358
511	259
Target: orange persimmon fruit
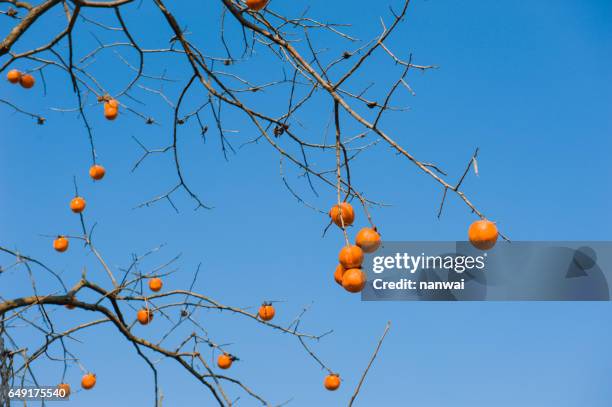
266	312
26	81
155	284
342	214
88	381
13	76
77	204
97	172
111	109
332	382
354	280
224	361
483	234
144	316
61	244
368	239
351	257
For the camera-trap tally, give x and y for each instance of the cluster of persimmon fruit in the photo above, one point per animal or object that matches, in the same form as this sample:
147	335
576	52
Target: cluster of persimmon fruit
348	272
15	76
483	235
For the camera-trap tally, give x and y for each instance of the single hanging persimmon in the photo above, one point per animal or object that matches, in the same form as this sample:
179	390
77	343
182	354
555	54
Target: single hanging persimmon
144	316
368	239
88	381
13	76
342	214
351	257
155	284
26	81
339	273
111	109
225	360
65	388
483	234
257	4
97	172
332	382
77	204
61	244
266	311
354	280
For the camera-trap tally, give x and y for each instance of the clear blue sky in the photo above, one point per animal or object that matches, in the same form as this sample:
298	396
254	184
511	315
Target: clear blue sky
527	82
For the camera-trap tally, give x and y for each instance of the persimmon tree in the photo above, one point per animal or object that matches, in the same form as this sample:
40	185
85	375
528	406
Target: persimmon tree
319	64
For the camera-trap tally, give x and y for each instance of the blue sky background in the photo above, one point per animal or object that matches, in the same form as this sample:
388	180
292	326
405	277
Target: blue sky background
527	82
